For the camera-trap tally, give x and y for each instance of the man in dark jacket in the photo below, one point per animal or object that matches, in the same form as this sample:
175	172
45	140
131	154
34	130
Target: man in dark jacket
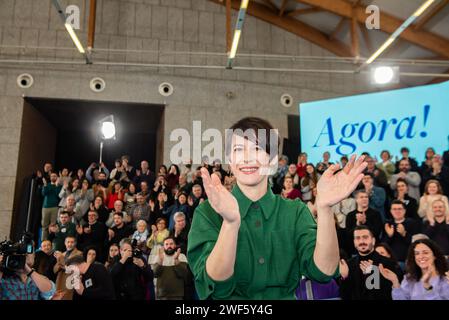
399	230
90	281
93	234
130	274
361	279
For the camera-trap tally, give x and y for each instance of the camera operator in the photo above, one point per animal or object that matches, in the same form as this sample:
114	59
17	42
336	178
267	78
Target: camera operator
127	273
25	283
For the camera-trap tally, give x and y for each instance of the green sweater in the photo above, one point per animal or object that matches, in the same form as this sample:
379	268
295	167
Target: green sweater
276	242
50	192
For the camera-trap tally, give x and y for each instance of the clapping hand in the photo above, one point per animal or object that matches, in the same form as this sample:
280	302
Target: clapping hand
220	199
366	266
389	275
335	186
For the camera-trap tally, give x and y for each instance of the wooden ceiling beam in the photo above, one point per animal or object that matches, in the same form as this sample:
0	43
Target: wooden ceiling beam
388	24
294	26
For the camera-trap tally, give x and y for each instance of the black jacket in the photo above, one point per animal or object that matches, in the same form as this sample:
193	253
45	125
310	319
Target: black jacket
354	287
397	242
97	284
129	280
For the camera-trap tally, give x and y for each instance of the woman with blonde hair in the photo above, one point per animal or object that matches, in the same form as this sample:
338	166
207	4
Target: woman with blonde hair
432	191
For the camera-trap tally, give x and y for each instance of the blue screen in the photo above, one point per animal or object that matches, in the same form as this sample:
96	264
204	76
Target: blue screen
416	118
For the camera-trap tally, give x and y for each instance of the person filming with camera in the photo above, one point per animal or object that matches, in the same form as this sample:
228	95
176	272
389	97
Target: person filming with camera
127	272
23	283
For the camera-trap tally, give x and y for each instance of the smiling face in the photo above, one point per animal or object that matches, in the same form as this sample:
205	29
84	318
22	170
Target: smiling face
424	256
385	156
363	241
46	246
310	169
432	188
438	209
292	169
247	161
402	187
397	211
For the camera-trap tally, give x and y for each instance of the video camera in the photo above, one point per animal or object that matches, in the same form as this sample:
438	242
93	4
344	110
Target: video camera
14	254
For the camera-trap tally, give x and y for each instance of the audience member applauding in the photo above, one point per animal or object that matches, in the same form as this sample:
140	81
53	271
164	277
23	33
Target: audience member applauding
425	276
432	192
59	268
359	274
399	230
289	192
437	227
171	271
410	203
364	215
413	179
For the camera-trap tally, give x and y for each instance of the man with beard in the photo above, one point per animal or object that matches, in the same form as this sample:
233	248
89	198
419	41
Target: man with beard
127	273
360	276
171	271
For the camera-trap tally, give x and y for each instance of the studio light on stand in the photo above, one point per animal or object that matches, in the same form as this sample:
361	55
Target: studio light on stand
107	132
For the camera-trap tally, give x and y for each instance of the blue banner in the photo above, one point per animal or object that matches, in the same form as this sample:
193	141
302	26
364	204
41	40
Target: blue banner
416	118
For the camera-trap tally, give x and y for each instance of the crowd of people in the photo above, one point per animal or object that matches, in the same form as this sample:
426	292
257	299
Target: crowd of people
125	231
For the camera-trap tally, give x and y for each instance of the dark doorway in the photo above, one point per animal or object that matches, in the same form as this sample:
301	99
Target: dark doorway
78	140
66	133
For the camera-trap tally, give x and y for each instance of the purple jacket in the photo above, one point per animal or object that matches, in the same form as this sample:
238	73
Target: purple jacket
413	290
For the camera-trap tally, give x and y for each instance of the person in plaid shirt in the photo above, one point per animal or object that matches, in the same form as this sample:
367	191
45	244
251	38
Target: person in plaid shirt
25	284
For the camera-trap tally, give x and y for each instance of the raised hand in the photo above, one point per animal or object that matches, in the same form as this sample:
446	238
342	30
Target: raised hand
344	269
366	266
401	229
334	187
161	254
389	229
220	199
389	275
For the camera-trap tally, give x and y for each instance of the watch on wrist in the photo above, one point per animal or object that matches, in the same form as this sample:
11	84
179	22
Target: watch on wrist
429	288
31	272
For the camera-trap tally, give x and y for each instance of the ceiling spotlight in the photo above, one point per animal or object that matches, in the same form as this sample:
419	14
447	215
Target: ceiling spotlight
385	75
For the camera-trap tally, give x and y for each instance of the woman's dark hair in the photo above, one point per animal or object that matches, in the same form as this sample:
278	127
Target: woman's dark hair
307	177
387	248
86	251
253	125
110	259
71	183
163	166
89	185
102	200
427	150
402	180
414	271
387	152
177	169
132	183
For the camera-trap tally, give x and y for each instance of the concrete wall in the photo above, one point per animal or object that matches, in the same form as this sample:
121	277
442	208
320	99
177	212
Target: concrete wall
157	26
